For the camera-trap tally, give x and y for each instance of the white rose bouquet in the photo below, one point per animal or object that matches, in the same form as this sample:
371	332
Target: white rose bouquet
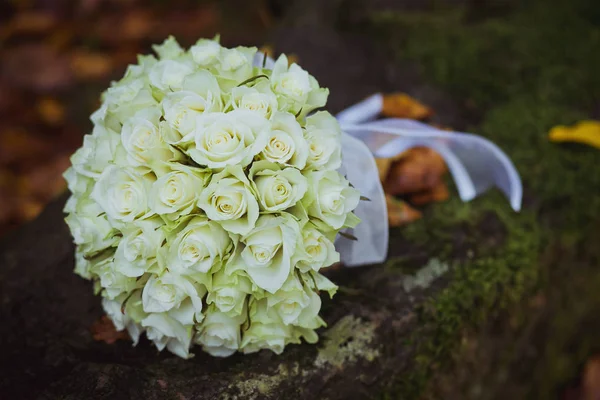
207	199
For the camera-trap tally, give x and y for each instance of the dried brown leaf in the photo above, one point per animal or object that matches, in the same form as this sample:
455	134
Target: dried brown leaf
399	212
88	65
401	105
51	110
591	379
434	195
104	330
420	169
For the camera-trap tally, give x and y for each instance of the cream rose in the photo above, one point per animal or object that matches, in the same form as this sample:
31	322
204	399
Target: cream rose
97	153
232	138
205	52
330	198
268	249
266	330
219	333
166	331
317	251
137	251
199	247
299	92
229	200
142	139
277	189
286	144
259	98
228	292
176	193
123	193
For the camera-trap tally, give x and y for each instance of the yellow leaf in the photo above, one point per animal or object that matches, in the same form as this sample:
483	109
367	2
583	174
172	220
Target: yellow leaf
586	132
51	110
401	105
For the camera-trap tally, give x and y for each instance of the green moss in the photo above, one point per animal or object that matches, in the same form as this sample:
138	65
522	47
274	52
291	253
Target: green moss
520	74
347	341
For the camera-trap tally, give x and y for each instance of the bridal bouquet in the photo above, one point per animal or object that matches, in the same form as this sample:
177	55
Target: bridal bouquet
207	198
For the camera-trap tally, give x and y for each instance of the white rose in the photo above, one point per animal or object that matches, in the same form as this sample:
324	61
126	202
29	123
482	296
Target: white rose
115	309
175	194
141	69
219	334
298	91
77	183
168	75
168	291
330	198
258	98
205	52
112	282
323	135
168	49
137	250
166	331
124	100
228	292
286	144
236	64
317	251
123	193
201	94
92	233
142	139
97	153
290	300
228	199
223	139
82	265
277	189
268	249
199	247
266	330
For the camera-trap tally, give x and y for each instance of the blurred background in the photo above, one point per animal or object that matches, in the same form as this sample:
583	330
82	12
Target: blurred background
57	56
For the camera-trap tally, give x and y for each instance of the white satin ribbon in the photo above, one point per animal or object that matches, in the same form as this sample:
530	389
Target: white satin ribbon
476	164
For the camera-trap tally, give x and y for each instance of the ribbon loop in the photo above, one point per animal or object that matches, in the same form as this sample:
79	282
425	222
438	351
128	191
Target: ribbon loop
476	164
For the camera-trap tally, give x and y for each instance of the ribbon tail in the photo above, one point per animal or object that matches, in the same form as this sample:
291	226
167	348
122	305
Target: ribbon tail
372	233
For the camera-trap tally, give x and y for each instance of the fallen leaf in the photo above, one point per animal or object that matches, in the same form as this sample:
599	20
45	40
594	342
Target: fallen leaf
20	145
401	105
51	110
383	167
28	209
87	65
585	132
27	23
591	379
399	212
104	330
435	194
418	170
